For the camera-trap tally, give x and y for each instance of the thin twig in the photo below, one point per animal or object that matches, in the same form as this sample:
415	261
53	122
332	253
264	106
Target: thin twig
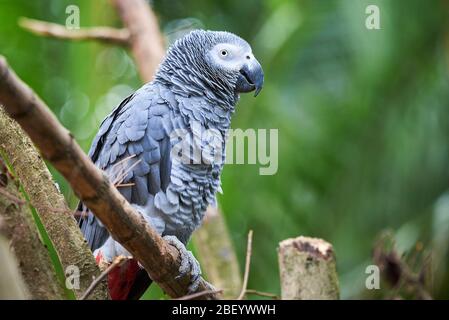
122	175
79	214
11	197
199	294
247	265
262	294
122	185
102	34
117	261
122	161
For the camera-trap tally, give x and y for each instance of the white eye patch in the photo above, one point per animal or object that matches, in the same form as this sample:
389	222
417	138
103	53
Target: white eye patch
229	56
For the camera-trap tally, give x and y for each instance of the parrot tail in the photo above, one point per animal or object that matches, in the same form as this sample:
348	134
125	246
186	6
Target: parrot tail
127	281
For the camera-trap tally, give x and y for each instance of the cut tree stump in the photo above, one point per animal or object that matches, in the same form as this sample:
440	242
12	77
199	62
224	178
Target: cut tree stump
307	269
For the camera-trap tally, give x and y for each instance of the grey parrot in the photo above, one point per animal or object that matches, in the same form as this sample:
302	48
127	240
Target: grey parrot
194	91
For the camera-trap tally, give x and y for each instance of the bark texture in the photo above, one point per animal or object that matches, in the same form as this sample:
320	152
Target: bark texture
19	228
50	205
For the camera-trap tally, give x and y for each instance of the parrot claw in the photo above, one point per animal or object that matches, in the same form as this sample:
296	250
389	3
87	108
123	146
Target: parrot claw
189	264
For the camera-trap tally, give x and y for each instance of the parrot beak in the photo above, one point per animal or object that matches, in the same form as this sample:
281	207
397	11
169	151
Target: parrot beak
251	78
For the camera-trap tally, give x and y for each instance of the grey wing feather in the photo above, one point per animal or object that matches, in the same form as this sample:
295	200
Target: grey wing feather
132	146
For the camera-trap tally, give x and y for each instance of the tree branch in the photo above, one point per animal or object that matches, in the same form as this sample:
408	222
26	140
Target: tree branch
147	43
20	229
91	185
50	205
107	35
141	34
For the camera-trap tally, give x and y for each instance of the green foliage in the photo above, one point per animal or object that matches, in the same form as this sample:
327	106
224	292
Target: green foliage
362	115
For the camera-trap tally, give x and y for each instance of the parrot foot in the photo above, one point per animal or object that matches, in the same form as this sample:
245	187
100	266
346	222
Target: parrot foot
189	264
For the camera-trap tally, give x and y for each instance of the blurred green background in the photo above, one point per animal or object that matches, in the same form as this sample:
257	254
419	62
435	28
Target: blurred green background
363	118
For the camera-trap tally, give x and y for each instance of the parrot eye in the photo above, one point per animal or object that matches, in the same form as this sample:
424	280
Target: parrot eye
224	53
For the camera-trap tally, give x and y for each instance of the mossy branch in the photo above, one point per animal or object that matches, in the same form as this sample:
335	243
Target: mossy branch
33	259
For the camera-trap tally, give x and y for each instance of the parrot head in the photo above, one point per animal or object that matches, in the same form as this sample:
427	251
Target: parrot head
218	61
233	55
